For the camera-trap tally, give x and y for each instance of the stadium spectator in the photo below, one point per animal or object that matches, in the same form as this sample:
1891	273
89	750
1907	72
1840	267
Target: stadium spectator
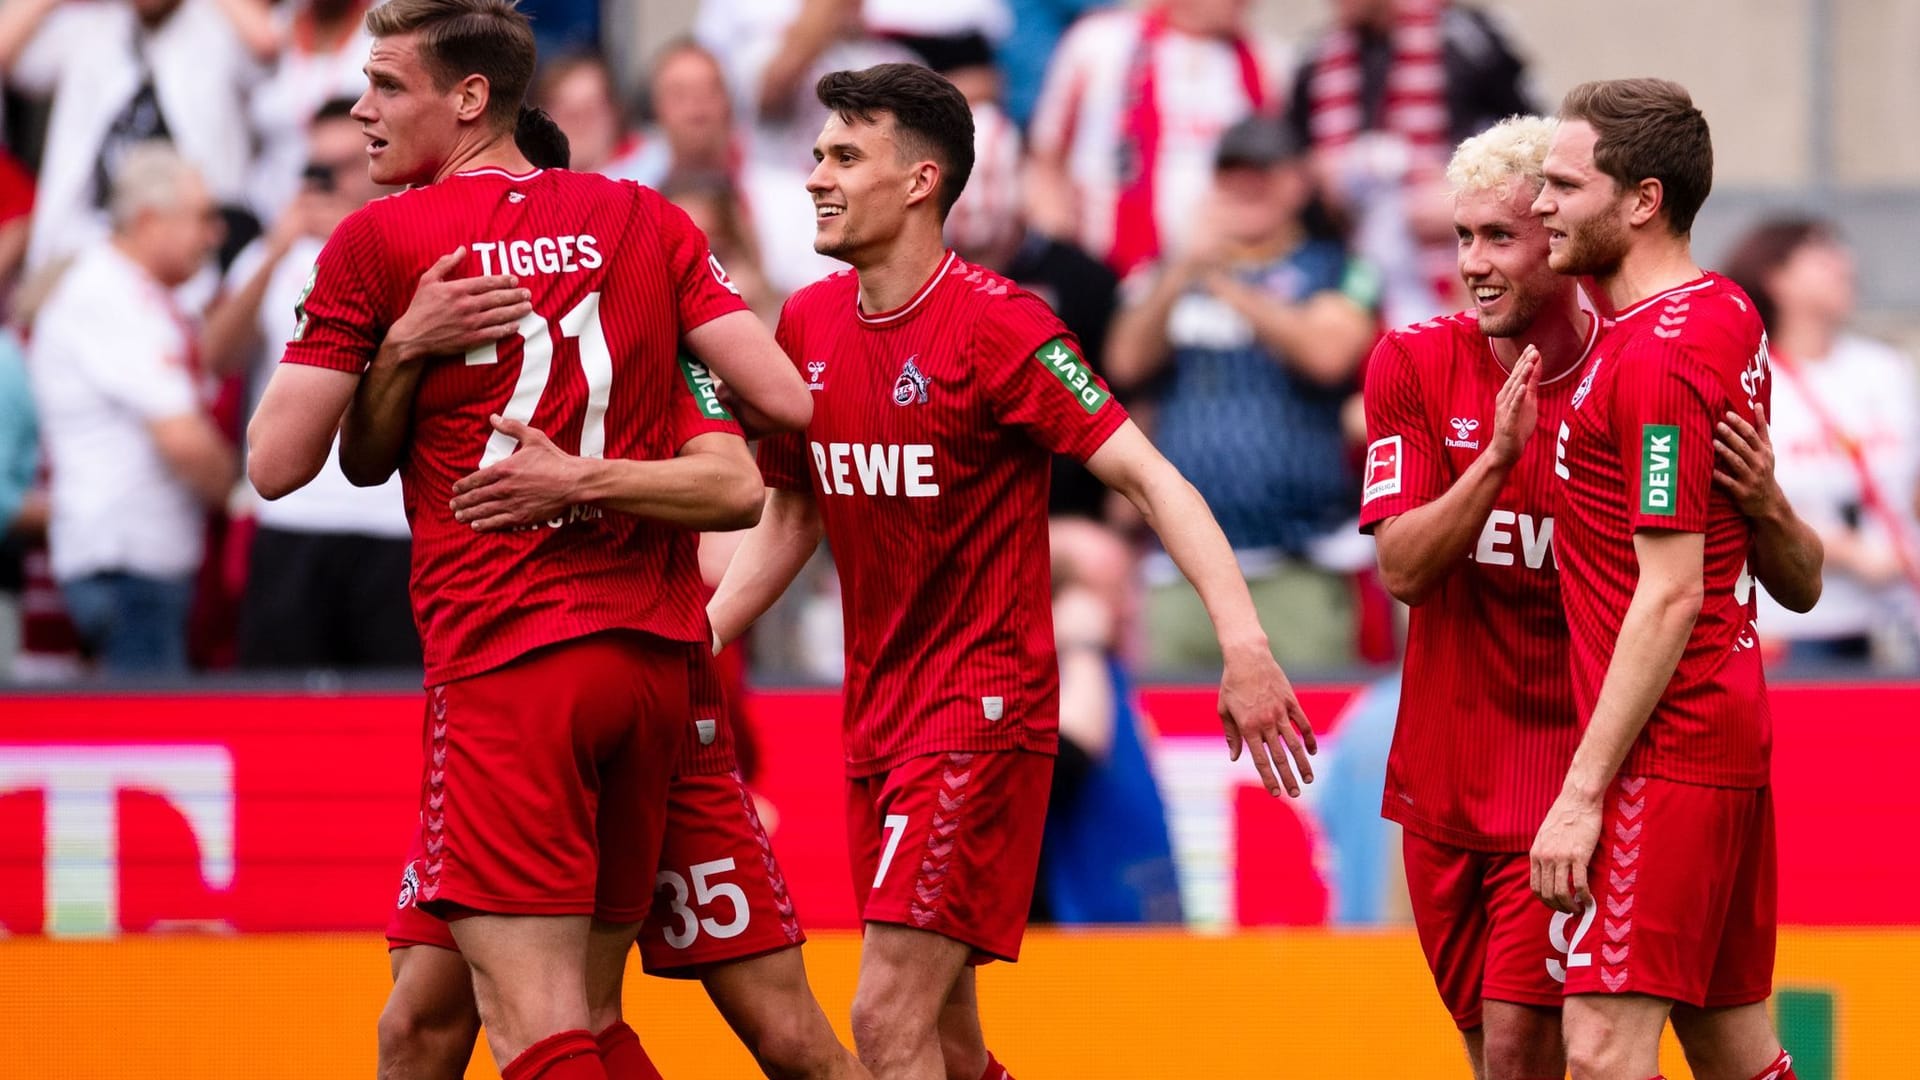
135	459
325	44
327	586
578	92
1107	856
1382	96
22	510
771	53
986	227
1124	132
123	73
1251	342
717	210
1846	428
1026	51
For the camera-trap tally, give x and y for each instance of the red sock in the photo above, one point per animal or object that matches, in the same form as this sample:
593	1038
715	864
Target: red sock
1781	1069
622	1055
570	1055
995	1070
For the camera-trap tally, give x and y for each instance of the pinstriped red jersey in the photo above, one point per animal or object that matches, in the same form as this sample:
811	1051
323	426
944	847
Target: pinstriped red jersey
617	276
1636	452
928	454
1487	725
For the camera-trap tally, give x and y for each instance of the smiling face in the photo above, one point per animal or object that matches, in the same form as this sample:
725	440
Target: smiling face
1503	259
411	124
863	185
1586	214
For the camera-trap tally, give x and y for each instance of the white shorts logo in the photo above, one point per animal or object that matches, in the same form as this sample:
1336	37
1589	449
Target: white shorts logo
993	707
706	730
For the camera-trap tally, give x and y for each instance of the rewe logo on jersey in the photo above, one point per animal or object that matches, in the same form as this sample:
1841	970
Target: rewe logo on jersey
875	469
1659	448
1072	372
911	387
1503	528
1463	427
1383	468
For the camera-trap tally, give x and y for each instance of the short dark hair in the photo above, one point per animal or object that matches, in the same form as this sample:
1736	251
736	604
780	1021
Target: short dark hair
1649	129
926	110
339	108
541	141
458	38
1765	248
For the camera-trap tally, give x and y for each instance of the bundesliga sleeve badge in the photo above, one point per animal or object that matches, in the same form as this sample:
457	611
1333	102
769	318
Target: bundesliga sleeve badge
1383	468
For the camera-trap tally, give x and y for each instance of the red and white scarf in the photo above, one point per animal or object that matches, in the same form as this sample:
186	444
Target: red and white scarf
1416	100
1136	234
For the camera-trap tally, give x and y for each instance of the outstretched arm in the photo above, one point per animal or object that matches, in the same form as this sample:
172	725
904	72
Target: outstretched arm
1787	553
1257	704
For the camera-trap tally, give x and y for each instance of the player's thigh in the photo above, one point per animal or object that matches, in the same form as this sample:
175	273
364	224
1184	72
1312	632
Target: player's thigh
1521	1042
906	977
432	988
1525	975
607	947
719	895
1662	878
961	847
763	997
635	773
1733	1043
1446	888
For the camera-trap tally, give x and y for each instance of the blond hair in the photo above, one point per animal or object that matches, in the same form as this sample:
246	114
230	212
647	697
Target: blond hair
1511	152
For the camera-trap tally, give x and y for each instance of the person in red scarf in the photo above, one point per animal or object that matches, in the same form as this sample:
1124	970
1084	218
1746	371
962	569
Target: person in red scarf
1134	103
1382	97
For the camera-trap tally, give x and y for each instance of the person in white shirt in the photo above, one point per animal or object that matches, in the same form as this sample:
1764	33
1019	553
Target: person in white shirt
325	46
121	73
1845	427
327	577
135	460
1134	102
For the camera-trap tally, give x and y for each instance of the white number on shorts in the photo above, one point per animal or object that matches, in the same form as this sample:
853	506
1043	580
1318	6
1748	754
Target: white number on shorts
1557	937
704	892
536	365
895	825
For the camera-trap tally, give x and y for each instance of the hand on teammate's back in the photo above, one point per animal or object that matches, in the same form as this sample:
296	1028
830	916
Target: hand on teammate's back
531	486
1259	711
449	315
1745	463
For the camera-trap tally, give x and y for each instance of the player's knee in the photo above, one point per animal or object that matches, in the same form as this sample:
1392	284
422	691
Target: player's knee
795	1045
882	1031
433	1043
1594	1050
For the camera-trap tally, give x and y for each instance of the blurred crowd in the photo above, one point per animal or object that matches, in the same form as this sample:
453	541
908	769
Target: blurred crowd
1226	221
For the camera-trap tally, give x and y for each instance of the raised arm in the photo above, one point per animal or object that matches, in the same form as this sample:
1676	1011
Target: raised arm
1419	548
1257	704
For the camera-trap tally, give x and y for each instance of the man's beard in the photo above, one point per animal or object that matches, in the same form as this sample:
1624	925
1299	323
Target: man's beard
1596	248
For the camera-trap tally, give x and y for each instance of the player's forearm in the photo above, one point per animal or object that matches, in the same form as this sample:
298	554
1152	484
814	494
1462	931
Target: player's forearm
1192	538
769	559
373	435
1418	549
1787	558
1653	635
703	492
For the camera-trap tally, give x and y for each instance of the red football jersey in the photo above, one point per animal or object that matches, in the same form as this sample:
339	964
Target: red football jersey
929	456
617	275
1487	724
1636	452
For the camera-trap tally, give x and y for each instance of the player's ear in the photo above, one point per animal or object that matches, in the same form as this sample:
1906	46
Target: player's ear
923	182
471	95
1649	195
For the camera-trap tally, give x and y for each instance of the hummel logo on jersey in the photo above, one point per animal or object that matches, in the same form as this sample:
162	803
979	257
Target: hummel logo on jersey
1463	427
1659	447
911	387
1072	372
1383	468
816	372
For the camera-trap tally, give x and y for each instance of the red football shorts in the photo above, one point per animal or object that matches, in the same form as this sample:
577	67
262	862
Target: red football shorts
1486	936
720	895
950	843
1684	886
534	769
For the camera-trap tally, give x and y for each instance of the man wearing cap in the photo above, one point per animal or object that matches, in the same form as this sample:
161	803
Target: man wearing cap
1250	345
